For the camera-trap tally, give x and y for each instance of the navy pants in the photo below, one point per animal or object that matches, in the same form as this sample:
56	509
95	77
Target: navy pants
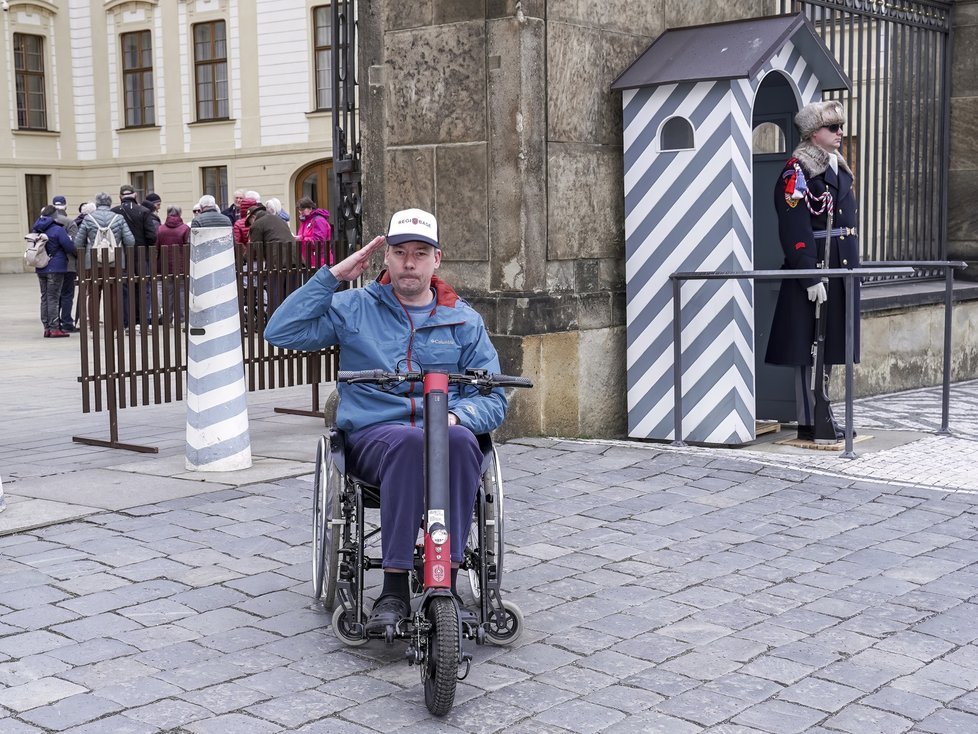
392	458
68	299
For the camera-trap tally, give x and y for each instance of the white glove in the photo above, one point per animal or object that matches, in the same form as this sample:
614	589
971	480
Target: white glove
817	294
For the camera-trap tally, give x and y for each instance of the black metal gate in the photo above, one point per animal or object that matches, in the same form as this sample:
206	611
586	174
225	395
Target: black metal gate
898	55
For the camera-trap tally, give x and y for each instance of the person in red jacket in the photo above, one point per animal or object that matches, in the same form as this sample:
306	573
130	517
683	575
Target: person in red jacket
240	226
173	239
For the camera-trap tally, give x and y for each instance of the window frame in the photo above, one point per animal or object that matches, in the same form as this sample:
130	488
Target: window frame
215	66
214	181
141	113
323	93
22	76
143	182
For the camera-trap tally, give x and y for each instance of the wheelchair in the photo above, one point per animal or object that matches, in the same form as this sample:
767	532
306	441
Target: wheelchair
342	531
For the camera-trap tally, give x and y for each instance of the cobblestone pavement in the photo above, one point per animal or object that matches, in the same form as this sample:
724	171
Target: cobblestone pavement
664	590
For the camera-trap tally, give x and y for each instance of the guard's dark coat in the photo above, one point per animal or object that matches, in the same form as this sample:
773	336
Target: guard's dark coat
793	329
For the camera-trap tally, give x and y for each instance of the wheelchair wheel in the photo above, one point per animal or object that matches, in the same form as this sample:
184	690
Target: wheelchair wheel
326	538
492	486
341	628
440	669
505	627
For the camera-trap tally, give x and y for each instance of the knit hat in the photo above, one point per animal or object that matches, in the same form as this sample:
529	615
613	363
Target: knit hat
413	225
155	198
816	115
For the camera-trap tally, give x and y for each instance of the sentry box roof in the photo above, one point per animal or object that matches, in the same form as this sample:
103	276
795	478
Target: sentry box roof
732	50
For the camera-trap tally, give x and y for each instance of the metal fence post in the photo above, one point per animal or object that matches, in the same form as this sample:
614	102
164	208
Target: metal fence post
677	363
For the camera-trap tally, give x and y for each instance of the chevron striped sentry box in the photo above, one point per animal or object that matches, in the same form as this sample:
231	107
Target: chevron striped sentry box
217	409
687	106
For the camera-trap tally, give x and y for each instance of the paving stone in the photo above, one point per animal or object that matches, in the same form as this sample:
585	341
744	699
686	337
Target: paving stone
118	724
100	625
224	697
776	669
40	692
653	722
71	711
295	709
820	694
168	714
138	691
781	717
92	651
33	667
859	719
31	643
903	703
580	716
218	620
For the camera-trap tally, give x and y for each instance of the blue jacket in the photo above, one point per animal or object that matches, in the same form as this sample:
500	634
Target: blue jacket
374	331
59	245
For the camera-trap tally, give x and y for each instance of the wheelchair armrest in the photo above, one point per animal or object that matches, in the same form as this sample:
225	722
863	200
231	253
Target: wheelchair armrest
485	444
337	448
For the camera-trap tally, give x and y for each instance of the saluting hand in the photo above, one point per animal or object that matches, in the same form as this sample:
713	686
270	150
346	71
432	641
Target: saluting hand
354	266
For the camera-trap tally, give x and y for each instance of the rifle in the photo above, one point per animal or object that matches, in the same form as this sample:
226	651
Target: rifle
824	422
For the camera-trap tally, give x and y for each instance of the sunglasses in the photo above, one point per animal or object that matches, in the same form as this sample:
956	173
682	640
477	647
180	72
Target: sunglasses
834	128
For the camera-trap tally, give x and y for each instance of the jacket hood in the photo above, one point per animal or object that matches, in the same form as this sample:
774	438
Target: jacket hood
321	212
173	221
445	295
42	224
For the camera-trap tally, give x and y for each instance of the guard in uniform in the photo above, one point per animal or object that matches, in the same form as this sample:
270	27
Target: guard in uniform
815	180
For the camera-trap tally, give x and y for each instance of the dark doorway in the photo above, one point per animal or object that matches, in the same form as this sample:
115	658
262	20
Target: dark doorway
774	137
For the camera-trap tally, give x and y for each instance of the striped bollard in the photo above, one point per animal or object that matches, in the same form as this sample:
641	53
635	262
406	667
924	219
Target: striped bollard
217	406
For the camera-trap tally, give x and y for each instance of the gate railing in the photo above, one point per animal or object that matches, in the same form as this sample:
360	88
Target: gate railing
898	55
133	328
886	269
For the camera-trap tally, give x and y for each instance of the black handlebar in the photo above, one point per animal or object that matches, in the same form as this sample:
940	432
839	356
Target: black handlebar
474	378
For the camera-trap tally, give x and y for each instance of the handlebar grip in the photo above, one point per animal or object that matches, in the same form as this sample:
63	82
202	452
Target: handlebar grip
347	375
512	381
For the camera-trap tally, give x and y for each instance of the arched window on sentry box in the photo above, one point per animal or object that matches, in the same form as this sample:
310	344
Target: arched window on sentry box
676	134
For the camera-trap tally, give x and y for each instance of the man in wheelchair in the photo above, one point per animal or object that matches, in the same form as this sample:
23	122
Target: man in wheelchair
406	319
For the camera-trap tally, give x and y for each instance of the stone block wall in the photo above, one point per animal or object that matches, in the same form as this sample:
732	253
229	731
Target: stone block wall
963	176
498	116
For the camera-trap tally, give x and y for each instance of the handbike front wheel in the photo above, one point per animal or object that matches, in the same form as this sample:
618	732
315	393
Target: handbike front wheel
440	669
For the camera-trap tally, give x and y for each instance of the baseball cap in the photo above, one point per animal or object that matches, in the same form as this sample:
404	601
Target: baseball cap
413	225
59	201
126	190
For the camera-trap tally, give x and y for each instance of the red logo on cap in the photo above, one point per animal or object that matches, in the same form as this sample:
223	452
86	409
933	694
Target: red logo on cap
414	221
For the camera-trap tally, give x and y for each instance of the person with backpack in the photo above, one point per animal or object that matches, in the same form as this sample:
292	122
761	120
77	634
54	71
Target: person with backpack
314	233
93	231
143	225
60	205
51	277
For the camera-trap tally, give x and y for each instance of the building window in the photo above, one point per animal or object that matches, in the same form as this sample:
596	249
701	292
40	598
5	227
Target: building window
137	76
211	70
323	53
676	134
214	181
36	188
29	79
142	181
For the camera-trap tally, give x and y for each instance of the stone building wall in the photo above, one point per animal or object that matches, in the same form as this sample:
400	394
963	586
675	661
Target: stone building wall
498	116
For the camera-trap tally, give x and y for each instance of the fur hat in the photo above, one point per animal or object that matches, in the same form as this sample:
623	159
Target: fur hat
816	115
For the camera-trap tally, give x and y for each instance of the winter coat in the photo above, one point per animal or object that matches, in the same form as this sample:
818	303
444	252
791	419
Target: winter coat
141	222
71	227
793	328
85	236
274	234
59	245
210	218
315	228
241	224
374	331
172	234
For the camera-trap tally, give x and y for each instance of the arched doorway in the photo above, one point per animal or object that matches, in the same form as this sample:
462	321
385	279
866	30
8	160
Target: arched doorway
314	181
774	137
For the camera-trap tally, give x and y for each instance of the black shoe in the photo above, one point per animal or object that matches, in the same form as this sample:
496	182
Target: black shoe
388	611
806	433
70	329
